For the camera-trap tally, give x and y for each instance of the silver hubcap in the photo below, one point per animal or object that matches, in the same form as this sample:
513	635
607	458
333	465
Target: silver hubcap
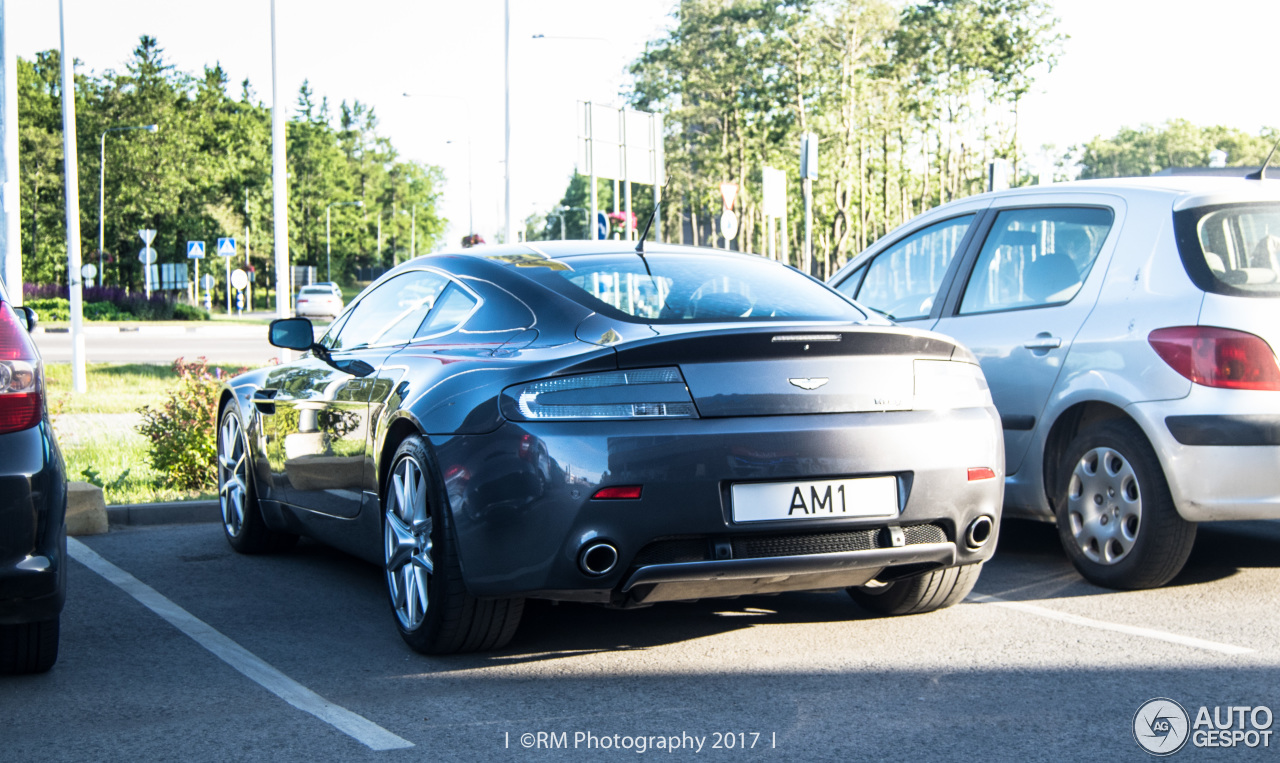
233	475
408	543
1104	506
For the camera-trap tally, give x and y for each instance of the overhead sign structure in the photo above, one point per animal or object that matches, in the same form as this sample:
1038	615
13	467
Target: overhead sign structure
195	250
226	247
623	145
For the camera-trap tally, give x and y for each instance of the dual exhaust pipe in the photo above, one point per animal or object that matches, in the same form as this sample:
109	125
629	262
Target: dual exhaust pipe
599	558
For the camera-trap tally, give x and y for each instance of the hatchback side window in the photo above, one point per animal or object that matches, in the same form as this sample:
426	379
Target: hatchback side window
390	313
903	280
1035	257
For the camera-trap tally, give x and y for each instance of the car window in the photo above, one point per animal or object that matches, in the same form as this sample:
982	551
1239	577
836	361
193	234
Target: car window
450	310
1035	257
684	288
903	280
390	313
1232	248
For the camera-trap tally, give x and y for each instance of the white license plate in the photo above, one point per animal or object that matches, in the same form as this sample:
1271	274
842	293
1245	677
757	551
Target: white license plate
863	497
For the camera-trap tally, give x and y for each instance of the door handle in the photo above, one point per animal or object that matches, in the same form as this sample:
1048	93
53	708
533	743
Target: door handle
1044	342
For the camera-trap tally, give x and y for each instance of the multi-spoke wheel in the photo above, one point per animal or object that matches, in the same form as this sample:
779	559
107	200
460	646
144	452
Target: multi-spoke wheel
1116	518
434	612
408	543
241	517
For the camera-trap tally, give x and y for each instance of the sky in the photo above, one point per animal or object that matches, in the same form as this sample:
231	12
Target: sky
1127	62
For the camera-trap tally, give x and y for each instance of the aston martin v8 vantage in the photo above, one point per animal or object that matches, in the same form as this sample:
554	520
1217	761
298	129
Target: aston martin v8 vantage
578	421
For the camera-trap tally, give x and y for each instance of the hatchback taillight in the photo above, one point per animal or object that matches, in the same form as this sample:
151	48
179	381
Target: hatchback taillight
21	385
1218	357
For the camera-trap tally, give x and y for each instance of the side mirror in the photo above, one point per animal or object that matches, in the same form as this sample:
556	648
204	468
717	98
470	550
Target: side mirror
292	334
28	317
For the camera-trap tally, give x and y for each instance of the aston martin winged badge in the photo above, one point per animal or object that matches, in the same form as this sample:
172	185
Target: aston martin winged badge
809	382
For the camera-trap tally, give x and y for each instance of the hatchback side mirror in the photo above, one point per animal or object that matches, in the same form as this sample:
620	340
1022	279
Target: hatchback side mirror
28	317
292	334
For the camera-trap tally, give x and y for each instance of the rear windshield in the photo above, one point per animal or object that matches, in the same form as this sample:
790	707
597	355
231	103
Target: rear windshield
693	288
1232	248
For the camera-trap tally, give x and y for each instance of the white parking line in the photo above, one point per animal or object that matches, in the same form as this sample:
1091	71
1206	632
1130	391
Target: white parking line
1132	630
355	726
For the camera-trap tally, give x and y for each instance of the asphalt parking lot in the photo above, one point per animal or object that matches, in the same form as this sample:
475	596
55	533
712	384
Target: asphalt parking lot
187	650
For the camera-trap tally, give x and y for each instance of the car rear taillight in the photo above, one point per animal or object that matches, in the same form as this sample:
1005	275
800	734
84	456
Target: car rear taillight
21	385
1218	357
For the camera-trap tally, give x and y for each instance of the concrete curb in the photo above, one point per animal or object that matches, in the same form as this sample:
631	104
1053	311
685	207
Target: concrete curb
175	513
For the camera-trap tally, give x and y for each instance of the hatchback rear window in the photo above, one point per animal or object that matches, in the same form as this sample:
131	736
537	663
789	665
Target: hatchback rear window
1232	248
693	288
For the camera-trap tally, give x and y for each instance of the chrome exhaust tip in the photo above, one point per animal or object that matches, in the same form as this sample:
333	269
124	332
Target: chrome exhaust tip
978	533
596	559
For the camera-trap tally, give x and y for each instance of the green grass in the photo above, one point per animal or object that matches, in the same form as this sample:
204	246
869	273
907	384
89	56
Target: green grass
112	388
118	458
120	463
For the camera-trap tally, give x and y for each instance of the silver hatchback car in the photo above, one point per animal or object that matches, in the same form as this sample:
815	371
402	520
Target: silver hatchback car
1127	330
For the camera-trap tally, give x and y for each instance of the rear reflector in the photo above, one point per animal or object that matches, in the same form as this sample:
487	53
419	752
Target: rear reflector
981	473
617	492
1218	357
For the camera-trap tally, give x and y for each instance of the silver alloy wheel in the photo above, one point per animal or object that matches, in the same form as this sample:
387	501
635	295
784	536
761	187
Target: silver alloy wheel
233	475
407	541
1104	505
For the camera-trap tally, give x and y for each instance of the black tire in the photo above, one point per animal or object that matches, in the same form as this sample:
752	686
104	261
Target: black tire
242	521
1116	518
430	604
29	647
918	594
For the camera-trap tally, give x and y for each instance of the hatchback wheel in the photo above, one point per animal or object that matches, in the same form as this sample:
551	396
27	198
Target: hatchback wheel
1116	518
433	610
915	595
242	521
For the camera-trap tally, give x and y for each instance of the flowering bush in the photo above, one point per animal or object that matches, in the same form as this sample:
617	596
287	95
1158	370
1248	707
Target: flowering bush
618	222
183	431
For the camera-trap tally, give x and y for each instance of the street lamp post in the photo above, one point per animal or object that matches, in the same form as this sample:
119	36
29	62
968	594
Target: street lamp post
328	260
102	185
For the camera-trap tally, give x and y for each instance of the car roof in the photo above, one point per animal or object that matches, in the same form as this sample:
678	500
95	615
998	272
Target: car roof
1182	190
567	250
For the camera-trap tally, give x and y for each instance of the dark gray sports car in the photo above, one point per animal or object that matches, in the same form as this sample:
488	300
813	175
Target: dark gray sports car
583	422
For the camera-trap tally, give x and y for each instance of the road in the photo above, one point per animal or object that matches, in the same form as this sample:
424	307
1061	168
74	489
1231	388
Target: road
1038	665
228	343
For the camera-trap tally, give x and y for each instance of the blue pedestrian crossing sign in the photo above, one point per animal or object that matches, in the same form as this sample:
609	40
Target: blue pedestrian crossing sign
226	247
195	250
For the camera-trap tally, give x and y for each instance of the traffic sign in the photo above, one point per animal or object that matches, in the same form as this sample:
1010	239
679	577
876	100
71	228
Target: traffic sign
226	247
89	271
729	224
148	235
239	278
602	226
147	255
207	281
195	250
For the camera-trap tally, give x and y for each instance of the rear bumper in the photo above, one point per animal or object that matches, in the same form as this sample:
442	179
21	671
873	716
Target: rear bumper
522	507
1220	450
33	540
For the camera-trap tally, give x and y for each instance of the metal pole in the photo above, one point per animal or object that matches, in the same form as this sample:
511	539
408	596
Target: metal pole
413	233
328	263
71	184
562	225
279	185
591	162
102	194
11	235
247	265
808	225
510	234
